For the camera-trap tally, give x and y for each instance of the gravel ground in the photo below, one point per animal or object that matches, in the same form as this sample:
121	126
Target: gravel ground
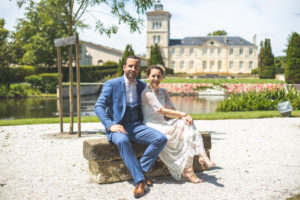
256	159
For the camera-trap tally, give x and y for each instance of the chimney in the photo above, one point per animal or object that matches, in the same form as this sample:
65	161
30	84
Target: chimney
254	39
225	39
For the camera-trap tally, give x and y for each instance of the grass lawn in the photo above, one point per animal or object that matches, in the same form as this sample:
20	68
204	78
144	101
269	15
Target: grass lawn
201	116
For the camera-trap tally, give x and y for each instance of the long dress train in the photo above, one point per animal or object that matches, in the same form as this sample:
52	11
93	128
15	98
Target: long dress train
184	141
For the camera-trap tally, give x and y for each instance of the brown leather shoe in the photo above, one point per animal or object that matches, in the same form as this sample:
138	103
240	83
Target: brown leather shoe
140	189
148	182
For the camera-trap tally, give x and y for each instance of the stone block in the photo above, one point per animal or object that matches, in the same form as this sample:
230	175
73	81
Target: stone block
101	150
106	165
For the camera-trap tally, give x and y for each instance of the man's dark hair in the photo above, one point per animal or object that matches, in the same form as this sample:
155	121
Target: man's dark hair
132	57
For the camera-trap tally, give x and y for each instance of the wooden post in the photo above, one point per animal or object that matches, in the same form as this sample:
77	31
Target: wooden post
78	87
60	102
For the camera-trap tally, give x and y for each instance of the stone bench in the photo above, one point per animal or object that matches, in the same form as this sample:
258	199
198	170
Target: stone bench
106	165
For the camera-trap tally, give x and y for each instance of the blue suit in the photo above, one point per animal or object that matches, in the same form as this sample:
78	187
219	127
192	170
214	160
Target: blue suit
111	108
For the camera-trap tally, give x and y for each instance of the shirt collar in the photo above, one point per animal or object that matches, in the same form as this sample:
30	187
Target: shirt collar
127	82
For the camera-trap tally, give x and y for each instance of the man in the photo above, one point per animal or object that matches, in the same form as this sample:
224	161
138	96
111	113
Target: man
119	109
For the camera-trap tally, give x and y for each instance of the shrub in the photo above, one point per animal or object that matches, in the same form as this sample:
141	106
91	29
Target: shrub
110	63
17	90
49	82
19	73
265	100
34	80
267	72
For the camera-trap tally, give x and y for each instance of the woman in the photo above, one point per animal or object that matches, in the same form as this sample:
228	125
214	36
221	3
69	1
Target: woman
184	140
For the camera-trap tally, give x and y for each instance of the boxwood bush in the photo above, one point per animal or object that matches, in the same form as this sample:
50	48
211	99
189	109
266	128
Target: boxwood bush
255	101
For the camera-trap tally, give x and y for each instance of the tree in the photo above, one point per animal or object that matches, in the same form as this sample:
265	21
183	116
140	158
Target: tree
155	56
35	34
292	70
4	55
218	33
266	61
128	52
71	12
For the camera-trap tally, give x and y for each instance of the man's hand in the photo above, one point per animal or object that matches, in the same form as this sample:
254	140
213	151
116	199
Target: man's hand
117	128
187	119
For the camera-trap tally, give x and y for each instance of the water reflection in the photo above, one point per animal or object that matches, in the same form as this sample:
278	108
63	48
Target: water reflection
47	107
192	104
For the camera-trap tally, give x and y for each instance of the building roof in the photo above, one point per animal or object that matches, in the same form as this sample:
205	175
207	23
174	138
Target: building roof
109	49
198	41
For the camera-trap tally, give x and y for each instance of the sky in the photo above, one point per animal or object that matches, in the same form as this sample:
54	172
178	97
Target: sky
274	19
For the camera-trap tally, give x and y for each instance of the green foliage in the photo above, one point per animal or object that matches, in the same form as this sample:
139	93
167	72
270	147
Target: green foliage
19	73
255	71
292	71
110	64
34	80
218	33
15	90
265	100
4	55
49	82
155	56
35	34
266	60
128	52
49	19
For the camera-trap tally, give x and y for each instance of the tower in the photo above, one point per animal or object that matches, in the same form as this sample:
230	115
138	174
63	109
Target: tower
158	30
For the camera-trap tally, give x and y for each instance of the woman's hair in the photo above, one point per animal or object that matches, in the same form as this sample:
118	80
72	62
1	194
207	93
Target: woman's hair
160	68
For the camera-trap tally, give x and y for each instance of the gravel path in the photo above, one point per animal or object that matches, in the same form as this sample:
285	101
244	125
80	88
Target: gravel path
256	159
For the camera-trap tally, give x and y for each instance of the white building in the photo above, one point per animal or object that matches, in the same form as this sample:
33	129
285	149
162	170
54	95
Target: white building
96	54
208	54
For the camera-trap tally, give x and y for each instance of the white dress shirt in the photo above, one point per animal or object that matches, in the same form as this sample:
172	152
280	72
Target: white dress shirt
131	93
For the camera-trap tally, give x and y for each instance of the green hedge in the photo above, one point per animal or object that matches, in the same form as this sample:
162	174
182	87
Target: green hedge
265	100
15	90
267	72
45	82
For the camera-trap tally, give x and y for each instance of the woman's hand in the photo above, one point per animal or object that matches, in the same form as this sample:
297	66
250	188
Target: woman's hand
187	119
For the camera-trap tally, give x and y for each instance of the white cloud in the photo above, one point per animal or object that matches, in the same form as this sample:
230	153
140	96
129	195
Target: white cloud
274	19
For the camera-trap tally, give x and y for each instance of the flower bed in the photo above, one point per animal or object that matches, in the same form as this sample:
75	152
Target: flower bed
192	89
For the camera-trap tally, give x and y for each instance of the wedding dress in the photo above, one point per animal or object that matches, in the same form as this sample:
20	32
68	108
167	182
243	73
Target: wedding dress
184	141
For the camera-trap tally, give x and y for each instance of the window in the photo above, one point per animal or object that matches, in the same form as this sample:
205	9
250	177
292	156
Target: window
203	51
250	64
211	64
219	51
154	39
204	65
230	51
251	51
241	64
156	25
182	64
172	51
158	39
212	51
173	64
182	51
191	64
191	51
241	51
219	65
230	64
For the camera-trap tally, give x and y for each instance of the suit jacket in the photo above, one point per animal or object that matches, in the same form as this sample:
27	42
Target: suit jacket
111	104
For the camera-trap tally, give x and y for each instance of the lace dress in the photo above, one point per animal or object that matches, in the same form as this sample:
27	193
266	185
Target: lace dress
184	141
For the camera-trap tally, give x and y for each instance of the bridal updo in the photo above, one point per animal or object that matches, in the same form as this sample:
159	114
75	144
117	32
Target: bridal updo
159	67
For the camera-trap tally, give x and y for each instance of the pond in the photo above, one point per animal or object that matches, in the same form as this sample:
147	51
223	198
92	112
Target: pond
47	107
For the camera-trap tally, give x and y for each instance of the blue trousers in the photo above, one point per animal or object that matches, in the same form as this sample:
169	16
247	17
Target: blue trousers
139	133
